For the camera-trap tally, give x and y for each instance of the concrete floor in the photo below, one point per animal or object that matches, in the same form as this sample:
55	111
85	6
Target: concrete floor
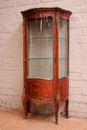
13	120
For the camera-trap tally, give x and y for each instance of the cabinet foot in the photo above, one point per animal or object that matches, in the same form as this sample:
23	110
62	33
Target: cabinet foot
57	123
25	117
67	116
66	109
56	110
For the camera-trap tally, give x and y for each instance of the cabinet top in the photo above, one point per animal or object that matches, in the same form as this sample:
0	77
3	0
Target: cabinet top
46	9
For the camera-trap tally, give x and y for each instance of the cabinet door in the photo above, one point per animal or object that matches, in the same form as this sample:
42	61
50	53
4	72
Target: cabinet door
62	48
40	48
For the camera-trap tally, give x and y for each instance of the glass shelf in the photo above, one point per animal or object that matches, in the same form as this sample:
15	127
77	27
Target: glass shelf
62	38
39	58
37	38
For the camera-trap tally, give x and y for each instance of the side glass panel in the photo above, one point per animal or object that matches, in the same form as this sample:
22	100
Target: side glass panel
63	48
40	48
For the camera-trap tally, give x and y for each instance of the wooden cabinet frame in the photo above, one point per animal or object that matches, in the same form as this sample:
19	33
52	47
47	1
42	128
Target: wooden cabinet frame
41	90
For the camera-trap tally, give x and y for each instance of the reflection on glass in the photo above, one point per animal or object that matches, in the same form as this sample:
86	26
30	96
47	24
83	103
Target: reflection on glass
40	48
62	48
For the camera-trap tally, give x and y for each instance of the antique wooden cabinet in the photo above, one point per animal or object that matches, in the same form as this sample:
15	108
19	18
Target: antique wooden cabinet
46	57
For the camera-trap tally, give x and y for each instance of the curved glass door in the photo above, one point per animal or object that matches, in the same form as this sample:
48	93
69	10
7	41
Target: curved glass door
40	48
62	48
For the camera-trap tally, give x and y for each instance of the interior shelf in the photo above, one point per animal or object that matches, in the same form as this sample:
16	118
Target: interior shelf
39	58
36	38
39	38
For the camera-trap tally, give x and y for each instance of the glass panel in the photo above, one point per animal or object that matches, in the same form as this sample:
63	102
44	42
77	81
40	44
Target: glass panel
63	48
40	48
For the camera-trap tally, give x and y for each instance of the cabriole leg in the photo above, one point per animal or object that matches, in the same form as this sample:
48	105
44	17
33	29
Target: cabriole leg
66	109
28	106
25	110
56	110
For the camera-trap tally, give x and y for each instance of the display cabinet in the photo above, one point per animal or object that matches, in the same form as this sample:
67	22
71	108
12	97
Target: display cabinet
46	57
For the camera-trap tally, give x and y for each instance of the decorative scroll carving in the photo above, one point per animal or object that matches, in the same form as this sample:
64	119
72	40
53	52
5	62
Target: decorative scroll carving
38	102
